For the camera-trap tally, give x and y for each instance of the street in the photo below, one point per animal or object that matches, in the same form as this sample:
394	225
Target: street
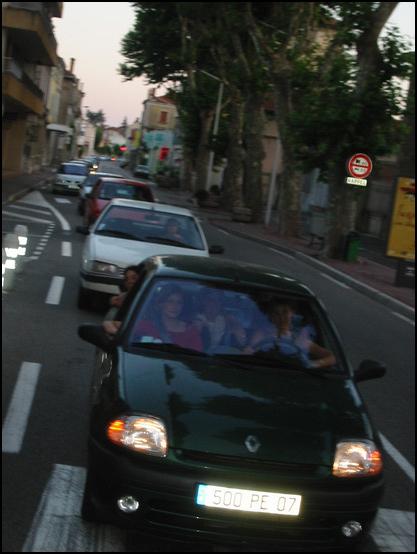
47	368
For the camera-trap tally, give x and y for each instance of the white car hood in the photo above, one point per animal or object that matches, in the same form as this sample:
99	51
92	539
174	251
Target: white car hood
122	252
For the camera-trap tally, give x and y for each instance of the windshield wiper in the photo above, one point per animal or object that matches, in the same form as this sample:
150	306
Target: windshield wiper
116	233
163	240
168	347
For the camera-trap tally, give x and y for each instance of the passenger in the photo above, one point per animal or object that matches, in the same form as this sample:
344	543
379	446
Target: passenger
167	323
290	341
130	277
217	328
173	230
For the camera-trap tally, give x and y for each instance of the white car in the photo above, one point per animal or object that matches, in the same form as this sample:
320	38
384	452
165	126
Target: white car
129	231
70	176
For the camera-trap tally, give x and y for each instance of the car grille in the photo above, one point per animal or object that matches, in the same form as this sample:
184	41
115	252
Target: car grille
247	463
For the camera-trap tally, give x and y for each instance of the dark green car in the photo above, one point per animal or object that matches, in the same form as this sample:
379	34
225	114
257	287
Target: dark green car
224	410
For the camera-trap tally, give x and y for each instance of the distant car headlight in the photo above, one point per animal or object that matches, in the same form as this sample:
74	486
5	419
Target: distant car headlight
357	459
145	434
102	267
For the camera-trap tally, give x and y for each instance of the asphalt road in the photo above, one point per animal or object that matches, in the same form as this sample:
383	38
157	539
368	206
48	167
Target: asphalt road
43	464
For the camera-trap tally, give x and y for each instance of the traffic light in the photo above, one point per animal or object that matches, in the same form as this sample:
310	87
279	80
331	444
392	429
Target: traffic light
163	153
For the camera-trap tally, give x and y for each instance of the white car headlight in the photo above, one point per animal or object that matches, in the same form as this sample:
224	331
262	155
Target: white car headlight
145	434
357	459
103	267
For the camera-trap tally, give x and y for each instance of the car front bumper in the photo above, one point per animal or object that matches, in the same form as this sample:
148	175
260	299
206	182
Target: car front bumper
100	283
166	491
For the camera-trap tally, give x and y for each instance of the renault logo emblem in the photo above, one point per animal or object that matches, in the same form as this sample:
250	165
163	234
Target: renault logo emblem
252	444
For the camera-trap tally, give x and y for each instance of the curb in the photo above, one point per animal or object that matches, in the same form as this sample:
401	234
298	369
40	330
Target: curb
380	297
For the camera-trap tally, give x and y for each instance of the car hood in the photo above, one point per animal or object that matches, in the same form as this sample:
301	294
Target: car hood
122	252
212	408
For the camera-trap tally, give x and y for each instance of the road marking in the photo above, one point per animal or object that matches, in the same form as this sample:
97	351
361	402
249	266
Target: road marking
67	249
57	526
37	199
27	218
40	211
281	253
55	290
224	232
62	201
15	424
335	281
404	318
398	458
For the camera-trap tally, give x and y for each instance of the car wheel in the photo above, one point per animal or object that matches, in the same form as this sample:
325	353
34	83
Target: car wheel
84	299
88	510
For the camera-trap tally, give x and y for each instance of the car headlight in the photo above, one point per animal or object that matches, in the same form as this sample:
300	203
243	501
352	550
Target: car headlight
145	434
357	459
103	267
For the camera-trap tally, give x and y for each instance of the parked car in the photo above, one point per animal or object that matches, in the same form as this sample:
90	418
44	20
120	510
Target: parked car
70	176
108	188
127	232
142	172
261	447
94	161
88	185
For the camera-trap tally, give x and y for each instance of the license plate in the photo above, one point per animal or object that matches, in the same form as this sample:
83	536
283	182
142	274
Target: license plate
249	501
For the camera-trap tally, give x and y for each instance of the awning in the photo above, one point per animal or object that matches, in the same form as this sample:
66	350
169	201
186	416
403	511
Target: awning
59	128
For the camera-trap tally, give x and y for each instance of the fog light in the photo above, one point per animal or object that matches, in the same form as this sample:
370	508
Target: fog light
128	504
351	529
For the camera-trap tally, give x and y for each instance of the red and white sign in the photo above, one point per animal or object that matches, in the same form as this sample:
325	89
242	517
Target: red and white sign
360	166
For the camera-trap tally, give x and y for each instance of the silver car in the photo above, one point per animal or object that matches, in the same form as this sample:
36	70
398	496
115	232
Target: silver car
70	176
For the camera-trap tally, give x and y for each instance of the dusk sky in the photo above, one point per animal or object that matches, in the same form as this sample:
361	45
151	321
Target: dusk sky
91	32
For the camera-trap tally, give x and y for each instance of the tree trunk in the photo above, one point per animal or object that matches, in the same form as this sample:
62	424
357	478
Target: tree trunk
203	152
339	213
188	169
234	154
254	126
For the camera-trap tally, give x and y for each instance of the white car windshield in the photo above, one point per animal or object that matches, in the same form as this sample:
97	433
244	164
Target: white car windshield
150	226
252	326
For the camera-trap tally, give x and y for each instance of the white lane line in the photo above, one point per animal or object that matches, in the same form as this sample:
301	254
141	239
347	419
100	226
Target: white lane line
404	318
62	201
55	290
224	232
343	285
398	458
57	526
37	199
15	424
281	253
67	249
38	211
26	218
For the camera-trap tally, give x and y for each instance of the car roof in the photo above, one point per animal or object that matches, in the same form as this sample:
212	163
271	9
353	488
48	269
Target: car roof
103	174
154	206
124	180
226	271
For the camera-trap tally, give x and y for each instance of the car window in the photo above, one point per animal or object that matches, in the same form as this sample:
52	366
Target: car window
151	226
73	169
115	190
266	327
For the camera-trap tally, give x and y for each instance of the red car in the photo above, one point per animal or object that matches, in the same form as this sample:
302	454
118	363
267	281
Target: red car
108	188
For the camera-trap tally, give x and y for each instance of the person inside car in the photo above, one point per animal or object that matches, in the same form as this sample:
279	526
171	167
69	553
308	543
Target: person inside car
291	340
172	230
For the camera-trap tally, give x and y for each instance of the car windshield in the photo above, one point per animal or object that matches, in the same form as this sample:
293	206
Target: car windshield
150	226
123	190
250	328
73	169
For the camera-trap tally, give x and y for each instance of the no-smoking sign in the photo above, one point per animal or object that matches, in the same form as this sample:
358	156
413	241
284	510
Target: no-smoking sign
360	166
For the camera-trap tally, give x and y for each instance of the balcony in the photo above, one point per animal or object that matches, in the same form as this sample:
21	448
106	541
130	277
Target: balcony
29	27
20	94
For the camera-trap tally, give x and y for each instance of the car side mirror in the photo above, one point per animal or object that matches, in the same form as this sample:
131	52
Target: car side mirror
96	335
369	369
216	249
82	229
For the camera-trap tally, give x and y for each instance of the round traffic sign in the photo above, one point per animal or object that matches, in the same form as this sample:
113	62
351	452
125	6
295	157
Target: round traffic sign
360	165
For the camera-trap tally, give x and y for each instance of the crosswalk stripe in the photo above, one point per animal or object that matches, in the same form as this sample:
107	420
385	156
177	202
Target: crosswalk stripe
26	217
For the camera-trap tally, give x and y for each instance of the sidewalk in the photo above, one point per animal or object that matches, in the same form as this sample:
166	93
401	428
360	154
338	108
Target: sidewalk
14	187
376	280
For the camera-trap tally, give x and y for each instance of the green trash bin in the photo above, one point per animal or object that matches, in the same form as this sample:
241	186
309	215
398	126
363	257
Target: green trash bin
352	246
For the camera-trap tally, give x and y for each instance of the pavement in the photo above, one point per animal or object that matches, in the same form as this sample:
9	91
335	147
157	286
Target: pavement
374	278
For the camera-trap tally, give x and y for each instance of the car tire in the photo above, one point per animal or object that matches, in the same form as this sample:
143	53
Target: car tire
84	299
88	510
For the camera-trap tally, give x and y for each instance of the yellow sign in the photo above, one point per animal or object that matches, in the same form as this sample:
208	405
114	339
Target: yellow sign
401	240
